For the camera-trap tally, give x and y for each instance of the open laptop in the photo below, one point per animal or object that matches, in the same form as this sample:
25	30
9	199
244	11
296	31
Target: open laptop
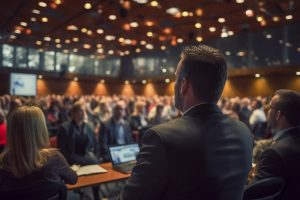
123	157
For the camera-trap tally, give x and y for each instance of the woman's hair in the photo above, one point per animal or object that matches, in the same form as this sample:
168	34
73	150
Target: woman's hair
27	138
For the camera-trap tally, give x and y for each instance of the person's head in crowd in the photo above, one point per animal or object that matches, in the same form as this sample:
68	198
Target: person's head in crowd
159	109
256	104
27	141
139	108
245	102
54	107
200	76
67	103
103	107
284	110
118	112
77	113
14	103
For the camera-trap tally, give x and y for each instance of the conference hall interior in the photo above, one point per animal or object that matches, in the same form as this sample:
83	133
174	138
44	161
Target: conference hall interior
114	59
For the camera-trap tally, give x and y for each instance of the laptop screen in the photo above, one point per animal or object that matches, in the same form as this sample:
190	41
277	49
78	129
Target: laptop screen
123	153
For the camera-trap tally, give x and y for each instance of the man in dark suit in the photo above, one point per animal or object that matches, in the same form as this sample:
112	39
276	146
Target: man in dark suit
282	158
116	131
202	155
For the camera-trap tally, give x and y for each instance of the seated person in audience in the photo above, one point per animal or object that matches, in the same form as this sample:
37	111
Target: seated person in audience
104	111
116	131
76	140
258	119
27	157
52	114
158	118
138	119
64	112
2	130
282	157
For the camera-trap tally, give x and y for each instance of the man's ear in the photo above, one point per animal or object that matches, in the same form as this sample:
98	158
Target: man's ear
184	86
278	115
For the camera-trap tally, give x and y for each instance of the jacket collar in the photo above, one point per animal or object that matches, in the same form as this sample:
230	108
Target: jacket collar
289	132
203	109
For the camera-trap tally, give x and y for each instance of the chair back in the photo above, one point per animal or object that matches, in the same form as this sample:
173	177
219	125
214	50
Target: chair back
43	190
265	189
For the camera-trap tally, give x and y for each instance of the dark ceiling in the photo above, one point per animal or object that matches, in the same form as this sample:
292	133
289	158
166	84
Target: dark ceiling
139	25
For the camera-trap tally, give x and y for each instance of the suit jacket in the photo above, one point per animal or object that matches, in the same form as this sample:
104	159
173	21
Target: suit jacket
66	141
202	155
282	159
107	136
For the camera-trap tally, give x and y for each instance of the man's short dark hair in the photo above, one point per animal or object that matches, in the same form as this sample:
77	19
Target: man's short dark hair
206	69
289	105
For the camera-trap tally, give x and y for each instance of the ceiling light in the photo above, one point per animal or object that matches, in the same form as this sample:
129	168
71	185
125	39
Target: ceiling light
75	39
149	23
138	50
249	13
212	29
42	4
167	80
126	27
127	41
149	34
23	24
268	36
154	3
110	37
167	30
199	39
127	52
199	12
72	28
100	31
33	19
240	1
35	11
89	32
100	51
110	52
75	50
18	31
58	46
163	47
57	2
40	76
230	33
66	51
185	13
67	41
289	17
221	20
126	82
99	46
241	53
257	75
227	53
275	18
86	46
298	49
259	18
84	30
144	81
38	42
149	46
164	70
121	39
224	34
143	42
134	24
75	79
87	6
112	17
141	1
44	19
172	10
28	31
102	81
46	38
198	25
298	73
57	40
179	40
263	23
12	37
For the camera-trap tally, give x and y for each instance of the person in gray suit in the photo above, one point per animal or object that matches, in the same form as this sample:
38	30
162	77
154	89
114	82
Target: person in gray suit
202	155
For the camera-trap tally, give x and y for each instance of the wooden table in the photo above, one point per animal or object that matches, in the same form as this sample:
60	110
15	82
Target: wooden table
97	179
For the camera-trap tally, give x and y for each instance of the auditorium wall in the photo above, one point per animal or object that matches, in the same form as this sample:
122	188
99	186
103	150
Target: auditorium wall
235	86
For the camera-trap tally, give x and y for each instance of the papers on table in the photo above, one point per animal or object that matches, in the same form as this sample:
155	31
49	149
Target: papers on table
88	169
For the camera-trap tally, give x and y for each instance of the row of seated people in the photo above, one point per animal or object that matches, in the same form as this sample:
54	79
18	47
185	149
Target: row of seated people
76	140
